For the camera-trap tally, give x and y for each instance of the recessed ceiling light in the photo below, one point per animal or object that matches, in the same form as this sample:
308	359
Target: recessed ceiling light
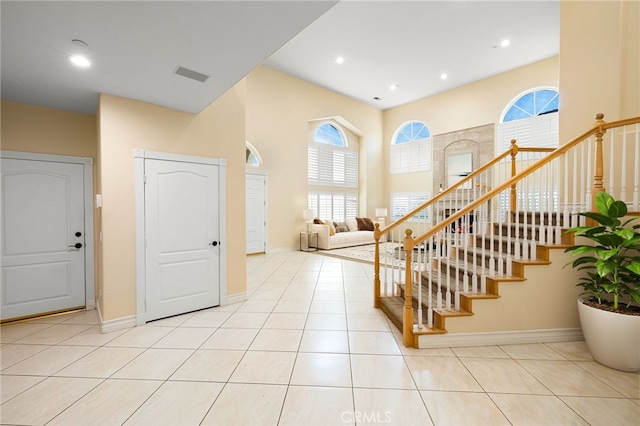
394	86
80	61
339	60
79	42
443	76
504	43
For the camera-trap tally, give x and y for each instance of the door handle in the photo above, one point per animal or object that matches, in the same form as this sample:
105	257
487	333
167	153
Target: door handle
76	246
213	243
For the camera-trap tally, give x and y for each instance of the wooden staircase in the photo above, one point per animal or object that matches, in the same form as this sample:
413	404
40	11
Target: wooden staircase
518	208
394	305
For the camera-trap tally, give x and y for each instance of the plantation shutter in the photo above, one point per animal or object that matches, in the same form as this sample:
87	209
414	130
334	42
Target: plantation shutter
540	131
408	157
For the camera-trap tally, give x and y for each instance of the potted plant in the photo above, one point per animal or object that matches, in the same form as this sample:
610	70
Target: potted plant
609	307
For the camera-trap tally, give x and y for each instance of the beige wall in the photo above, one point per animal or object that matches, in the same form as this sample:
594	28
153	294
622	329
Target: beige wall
126	125
468	106
30	128
599	63
279	109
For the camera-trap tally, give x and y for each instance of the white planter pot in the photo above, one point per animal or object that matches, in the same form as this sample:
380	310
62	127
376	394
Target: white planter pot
613	339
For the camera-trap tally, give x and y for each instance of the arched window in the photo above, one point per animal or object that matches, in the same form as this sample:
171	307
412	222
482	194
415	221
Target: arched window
531	118
252	157
533	103
411	148
332	174
328	133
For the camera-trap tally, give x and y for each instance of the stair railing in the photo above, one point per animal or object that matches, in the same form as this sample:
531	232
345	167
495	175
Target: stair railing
475	230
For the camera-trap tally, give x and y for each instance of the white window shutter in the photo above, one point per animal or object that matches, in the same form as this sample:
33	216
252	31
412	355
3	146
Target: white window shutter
408	157
351	169
540	131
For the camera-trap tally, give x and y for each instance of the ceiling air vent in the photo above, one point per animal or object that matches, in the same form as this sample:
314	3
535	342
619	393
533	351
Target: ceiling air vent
185	72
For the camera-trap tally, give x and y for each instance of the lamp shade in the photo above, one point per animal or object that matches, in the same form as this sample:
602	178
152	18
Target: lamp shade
308	214
381	212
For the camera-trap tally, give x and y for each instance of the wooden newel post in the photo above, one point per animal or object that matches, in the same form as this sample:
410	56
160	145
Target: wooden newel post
407	312
376	267
598	172
512	195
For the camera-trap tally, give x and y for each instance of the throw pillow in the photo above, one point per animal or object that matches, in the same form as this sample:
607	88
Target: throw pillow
341	227
369	223
332	229
352	224
365	224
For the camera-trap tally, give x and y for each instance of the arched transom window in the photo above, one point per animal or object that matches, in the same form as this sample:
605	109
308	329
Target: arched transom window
531	104
531	118
328	133
252	156
411	148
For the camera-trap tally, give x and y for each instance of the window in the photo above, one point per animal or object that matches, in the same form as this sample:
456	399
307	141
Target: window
333	205
330	162
329	134
411	148
403	202
252	158
531	119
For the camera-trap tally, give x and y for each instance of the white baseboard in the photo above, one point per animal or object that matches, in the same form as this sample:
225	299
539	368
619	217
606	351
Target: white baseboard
233	298
115	324
456	340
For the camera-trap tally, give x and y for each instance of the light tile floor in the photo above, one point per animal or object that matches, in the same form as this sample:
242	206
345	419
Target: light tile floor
305	348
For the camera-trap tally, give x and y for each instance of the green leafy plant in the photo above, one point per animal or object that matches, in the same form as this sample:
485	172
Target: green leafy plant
612	265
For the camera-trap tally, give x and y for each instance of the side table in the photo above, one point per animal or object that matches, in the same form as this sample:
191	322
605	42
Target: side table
308	239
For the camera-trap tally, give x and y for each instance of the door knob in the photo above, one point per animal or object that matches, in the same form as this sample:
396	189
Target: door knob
76	246
78	234
214	243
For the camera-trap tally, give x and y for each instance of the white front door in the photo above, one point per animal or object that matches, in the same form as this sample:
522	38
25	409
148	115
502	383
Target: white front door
182	222
43	237
256	216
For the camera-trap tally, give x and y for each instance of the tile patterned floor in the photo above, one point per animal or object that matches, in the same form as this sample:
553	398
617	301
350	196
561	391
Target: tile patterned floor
306	348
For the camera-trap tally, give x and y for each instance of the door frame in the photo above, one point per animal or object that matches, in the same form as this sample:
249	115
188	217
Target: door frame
87	172
139	157
266	205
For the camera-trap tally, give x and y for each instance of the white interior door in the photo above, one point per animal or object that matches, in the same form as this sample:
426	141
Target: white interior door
256	213
43	237
182	237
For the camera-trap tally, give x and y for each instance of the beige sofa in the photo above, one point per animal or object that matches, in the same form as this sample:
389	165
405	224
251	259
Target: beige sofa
353	237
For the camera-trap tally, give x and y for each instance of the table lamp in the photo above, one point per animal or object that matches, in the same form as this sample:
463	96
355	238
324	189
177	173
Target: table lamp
309	215
381	214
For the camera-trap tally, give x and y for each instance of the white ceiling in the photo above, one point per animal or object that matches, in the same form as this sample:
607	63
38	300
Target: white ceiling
136	47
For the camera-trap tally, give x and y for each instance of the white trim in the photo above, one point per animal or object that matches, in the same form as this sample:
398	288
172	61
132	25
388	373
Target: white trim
87	171
341	121
456	340
117	324
16	155
266	205
255	153
156	155
233	298
139	156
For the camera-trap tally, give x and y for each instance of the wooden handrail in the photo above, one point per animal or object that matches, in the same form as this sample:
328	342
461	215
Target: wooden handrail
598	129
454	187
